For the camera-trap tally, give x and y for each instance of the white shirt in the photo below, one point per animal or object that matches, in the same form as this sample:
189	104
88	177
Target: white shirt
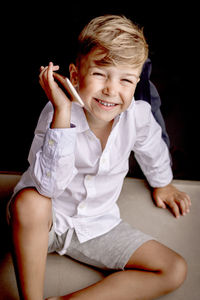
84	182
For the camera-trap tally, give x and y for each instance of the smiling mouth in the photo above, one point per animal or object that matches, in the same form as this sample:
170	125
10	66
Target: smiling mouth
107	104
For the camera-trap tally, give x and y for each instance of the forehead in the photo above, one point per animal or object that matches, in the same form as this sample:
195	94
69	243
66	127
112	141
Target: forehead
94	58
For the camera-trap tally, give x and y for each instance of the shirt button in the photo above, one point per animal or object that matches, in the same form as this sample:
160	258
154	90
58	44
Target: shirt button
82	205
48	174
88	177
51	142
103	160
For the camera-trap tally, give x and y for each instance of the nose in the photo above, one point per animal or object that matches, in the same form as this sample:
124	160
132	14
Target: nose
110	88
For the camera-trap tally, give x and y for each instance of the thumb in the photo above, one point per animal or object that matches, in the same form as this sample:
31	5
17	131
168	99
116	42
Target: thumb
160	202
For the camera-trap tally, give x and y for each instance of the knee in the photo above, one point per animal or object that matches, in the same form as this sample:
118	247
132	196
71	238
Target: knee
29	207
177	272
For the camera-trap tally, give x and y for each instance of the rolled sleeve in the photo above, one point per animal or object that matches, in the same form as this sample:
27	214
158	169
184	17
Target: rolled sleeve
59	142
54	162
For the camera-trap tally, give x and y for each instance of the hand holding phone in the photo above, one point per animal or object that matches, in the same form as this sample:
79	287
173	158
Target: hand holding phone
72	92
67	87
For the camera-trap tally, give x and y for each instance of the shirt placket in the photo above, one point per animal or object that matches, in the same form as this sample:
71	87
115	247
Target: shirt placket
89	181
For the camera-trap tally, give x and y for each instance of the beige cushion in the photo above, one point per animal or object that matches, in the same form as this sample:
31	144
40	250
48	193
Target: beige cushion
64	275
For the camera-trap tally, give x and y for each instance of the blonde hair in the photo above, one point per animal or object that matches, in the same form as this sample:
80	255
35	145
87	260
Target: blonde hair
117	38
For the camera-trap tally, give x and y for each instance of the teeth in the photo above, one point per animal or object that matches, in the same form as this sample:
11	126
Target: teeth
105	103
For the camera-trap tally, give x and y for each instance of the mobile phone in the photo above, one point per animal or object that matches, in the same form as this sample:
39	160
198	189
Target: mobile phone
72	92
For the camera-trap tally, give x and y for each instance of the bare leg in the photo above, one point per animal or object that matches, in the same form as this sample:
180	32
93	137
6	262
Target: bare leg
152	271
31	218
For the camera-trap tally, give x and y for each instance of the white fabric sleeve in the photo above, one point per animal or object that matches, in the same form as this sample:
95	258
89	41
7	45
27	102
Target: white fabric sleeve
151	151
51	156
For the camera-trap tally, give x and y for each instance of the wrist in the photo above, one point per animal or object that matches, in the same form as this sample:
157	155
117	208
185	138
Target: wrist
162	186
61	117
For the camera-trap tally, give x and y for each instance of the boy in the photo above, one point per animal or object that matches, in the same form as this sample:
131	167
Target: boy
66	200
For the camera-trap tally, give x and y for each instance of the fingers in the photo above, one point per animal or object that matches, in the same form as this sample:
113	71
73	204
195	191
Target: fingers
46	74
60	78
184	203
53	90
180	205
46	78
169	196
160	203
41	68
174	208
50	75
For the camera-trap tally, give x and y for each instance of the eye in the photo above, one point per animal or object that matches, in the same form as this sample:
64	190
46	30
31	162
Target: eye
127	81
98	74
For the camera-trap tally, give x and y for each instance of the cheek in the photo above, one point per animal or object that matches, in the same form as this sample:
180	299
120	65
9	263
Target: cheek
83	86
87	87
133	91
85	91
128	96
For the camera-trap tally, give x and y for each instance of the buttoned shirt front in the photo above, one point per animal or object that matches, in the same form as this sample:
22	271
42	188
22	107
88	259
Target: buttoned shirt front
84	182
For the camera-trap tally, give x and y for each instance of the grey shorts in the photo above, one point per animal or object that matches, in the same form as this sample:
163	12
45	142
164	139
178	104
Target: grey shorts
108	251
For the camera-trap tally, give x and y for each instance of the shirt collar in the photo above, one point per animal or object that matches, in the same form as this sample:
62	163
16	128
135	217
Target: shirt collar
78	118
131	105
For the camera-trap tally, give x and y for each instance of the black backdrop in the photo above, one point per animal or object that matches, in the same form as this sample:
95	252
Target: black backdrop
34	34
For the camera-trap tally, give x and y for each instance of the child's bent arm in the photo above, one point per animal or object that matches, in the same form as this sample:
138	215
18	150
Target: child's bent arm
150	150
51	156
54	167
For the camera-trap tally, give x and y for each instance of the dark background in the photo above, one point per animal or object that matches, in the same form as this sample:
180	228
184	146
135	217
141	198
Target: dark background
34	34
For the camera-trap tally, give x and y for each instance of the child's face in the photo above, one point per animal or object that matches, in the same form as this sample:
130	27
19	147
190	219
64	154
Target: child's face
105	90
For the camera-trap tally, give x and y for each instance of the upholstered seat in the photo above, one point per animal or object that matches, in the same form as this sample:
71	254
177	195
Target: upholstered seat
64	275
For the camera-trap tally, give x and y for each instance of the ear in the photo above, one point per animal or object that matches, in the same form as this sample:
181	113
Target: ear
73	71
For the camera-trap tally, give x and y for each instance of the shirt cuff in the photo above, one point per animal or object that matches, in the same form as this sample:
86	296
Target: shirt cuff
59	141
160	179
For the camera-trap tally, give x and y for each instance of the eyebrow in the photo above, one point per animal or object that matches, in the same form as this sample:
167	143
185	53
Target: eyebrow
131	74
93	66
123	74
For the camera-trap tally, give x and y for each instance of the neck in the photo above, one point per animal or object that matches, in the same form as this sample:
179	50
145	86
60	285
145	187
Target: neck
96	123
100	128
